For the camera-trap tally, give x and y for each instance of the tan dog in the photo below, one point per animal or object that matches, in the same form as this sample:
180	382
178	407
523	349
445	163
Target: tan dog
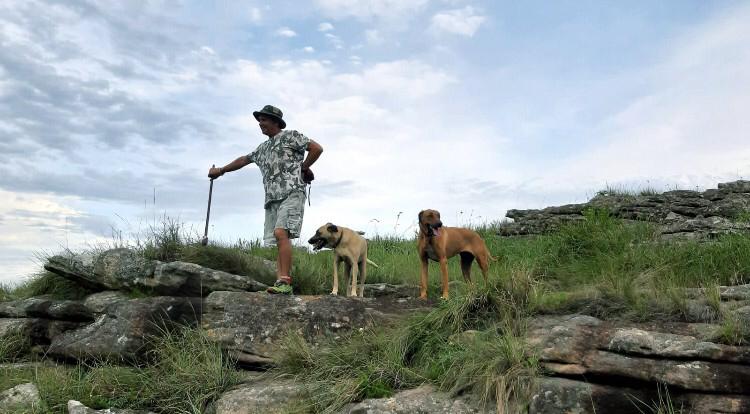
349	247
441	243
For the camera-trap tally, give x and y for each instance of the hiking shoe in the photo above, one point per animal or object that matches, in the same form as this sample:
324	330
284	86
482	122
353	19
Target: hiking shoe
280	287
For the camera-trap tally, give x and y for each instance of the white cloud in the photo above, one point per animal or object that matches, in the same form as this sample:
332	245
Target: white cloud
464	22
365	9
335	41
373	37
255	15
286	32
325	27
309	49
689	126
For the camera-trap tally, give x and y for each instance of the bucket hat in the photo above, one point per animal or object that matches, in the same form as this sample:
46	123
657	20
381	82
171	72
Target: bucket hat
272	111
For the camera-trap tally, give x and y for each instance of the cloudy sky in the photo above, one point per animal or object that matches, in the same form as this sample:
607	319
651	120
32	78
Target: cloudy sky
111	112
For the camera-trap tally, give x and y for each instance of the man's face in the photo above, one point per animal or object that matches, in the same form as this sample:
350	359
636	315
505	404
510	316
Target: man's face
268	125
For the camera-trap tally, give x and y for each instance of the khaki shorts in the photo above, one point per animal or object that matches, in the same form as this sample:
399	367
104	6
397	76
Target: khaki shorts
284	214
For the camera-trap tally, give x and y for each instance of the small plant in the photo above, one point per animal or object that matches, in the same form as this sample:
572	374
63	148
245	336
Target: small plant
664	404
14	346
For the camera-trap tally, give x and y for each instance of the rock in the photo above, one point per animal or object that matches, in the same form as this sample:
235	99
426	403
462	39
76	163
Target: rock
387	289
38	331
189	279
678	214
125	269
580	345
121	334
262	396
76	407
251	324
562	395
20	397
67	310
98	302
422	400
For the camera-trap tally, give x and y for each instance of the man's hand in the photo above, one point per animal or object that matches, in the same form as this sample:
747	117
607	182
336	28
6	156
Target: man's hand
307	175
215	172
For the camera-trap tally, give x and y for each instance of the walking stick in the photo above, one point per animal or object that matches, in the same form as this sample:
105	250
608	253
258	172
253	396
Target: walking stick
204	241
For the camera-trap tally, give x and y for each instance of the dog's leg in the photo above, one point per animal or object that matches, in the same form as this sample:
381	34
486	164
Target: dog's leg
423	278
336	262
466	260
354	271
362	276
444	273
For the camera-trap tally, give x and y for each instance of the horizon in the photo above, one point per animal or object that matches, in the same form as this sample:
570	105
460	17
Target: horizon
111	114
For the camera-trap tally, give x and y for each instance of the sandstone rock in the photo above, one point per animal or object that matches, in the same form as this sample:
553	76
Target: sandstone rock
422	400
266	396
387	289
76	407
21	397
122	333
679	214
98	302
125	269
250	324
562	395
68	310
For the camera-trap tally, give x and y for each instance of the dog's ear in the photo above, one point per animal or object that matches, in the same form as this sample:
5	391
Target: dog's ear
332	228
419	216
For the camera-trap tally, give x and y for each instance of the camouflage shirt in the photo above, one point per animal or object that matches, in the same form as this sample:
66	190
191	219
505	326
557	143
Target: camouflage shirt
280	161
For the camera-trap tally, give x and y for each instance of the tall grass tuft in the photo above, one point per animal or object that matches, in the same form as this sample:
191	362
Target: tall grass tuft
189	370
472	341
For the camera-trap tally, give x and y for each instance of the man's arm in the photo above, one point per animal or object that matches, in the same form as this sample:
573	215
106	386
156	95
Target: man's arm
232	166
313	153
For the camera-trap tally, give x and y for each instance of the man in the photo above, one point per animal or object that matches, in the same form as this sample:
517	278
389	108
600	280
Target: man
280	159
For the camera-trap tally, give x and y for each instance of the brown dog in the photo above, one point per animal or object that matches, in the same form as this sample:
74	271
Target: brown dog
441	243
349	247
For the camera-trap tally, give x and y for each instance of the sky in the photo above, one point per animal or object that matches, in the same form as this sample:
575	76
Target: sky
112	112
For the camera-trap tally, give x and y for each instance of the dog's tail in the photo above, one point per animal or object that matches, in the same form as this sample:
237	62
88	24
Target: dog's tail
372	263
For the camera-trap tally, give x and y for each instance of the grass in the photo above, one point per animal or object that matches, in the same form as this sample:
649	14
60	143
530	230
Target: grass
14	346
187	372
601	266
472	342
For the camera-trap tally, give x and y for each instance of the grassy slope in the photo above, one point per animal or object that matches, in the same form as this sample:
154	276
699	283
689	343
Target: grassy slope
602	266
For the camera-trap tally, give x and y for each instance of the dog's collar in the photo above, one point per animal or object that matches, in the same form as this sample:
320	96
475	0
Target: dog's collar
338	241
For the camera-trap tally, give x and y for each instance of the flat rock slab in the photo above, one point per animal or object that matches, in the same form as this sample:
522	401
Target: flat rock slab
422	400
251	324
268	396
583	345
67	310
76	407
563	395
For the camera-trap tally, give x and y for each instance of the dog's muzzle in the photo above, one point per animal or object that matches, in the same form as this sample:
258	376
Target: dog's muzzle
317	243
434	228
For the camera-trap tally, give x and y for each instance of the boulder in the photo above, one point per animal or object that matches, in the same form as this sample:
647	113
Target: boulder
126	269
251	324
21	398
422	400
76	407
122	333
67	310
271	396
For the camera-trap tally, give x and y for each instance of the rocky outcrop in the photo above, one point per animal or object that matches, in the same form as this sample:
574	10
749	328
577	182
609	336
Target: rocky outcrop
123	332
125	269
679	213
67	310
632	360
251	324
21	398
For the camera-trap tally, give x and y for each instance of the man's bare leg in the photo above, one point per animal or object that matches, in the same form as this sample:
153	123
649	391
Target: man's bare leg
284	259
